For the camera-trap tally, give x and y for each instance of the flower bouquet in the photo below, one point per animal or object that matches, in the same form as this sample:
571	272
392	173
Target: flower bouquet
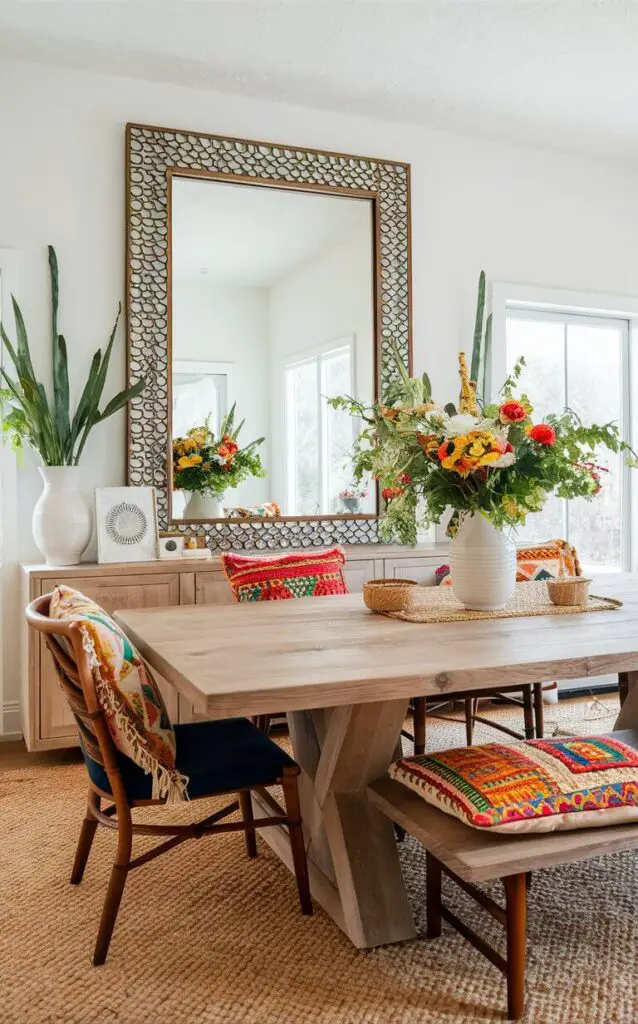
208	466
490	463
352	497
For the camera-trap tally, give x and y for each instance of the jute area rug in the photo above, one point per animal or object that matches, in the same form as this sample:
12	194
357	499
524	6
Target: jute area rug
207	937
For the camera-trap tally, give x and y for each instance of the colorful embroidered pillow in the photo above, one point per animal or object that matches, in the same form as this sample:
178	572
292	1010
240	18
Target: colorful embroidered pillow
531	786
278	577
556	558
132	704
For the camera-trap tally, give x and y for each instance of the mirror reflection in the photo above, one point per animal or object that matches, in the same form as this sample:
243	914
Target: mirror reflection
272	314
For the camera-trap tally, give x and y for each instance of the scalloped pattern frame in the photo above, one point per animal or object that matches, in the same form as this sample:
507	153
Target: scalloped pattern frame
153	155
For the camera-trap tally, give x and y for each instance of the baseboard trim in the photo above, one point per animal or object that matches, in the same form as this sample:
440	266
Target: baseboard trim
10	725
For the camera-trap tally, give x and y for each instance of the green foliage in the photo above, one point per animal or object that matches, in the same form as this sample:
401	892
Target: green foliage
210	465
29	417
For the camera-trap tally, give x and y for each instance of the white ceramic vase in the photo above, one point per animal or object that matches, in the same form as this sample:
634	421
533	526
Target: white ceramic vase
61	517
482	565
203	506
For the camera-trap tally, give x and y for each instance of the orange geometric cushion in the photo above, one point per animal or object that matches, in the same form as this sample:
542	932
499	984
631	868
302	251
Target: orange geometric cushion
556	558
281	577
531	786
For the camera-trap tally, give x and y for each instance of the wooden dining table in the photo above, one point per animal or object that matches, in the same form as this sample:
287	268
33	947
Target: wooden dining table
345	677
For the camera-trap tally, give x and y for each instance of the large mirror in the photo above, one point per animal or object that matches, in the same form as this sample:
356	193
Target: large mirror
272	311
261	281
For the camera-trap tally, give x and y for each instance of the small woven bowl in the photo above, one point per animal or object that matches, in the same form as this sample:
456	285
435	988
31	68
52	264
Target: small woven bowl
568	591
387	595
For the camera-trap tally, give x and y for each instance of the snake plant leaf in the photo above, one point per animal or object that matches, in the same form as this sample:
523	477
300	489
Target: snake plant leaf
120	400
238	429
23	352
427	388
60	359
79	418
478	329
61	390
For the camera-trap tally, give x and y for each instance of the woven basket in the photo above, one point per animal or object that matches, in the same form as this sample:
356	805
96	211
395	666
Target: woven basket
387	595
568	591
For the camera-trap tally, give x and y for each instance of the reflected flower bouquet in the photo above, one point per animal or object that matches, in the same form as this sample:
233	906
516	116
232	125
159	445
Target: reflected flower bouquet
490	459
210	465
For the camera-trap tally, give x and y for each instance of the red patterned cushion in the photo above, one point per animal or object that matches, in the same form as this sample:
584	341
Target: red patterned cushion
280	577
532	786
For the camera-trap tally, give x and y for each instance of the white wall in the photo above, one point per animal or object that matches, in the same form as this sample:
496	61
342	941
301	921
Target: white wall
230	324
521	214
327	298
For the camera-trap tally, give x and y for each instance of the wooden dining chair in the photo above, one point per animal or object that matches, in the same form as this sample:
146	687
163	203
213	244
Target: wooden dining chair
220	758
528	697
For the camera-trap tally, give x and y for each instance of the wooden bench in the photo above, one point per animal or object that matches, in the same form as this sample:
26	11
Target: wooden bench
468	855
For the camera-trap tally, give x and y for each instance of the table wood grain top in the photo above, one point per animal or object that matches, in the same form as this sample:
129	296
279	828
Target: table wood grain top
329	651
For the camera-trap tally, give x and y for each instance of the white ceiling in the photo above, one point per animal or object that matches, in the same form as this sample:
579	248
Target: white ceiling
557	73
250	236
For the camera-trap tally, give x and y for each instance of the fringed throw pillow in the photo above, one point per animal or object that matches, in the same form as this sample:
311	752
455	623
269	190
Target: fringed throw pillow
531	786
128	695
278	577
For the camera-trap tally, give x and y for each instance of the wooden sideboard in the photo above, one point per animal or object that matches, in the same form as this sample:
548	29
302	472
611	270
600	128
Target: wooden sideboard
46	720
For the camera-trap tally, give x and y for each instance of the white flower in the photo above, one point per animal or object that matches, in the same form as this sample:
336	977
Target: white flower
507	459
460	424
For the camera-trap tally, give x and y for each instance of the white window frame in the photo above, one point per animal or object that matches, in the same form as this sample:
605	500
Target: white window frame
9	582
316	354
507	296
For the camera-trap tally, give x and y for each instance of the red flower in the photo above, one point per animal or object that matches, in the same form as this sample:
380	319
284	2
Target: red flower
388	493
542	433
512	412
405	478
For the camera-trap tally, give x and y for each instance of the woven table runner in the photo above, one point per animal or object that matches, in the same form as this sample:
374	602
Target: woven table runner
438	604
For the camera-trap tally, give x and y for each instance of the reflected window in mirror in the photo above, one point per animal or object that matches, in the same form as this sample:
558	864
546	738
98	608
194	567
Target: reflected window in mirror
273	311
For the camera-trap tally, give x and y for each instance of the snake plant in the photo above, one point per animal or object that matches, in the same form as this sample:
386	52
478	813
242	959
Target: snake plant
481	350
29	415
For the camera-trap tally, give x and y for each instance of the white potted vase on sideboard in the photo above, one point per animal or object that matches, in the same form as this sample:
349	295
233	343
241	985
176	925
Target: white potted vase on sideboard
41	419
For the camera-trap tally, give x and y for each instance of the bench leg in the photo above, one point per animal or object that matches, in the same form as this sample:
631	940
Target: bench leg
433	896
516	907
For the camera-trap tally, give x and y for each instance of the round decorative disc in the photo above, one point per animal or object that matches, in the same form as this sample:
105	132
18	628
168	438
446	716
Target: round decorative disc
126	523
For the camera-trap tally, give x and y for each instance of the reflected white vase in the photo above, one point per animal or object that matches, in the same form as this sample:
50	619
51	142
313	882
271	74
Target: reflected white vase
61	517
482	565
203	506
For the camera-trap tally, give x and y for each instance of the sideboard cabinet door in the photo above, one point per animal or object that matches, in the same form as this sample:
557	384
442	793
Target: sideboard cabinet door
56	724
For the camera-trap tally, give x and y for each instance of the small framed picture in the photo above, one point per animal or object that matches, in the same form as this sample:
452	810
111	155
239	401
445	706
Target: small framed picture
171	545
126	524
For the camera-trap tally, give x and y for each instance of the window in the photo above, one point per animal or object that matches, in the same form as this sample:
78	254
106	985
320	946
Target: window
200	389
582	362
318	439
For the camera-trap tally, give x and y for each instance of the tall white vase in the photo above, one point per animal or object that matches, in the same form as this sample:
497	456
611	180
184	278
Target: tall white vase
482	565
203	506
61	517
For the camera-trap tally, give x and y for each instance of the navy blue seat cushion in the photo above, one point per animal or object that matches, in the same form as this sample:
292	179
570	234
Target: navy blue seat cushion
230	754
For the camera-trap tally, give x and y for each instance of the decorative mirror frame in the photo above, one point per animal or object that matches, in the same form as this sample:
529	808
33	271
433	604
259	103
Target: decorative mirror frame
153	156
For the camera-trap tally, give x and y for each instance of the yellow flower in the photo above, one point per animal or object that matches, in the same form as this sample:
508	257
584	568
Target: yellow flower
187	461
467	452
